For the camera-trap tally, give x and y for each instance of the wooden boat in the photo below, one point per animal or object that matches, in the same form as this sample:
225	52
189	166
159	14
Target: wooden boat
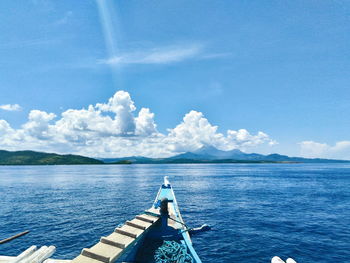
158	235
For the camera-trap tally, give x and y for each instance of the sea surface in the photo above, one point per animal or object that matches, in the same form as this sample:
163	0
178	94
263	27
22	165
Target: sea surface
256	211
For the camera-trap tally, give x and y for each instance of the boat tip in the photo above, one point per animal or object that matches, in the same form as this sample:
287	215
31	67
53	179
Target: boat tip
166	181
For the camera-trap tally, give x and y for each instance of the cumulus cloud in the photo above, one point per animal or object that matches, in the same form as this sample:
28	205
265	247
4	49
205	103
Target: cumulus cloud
4	127
122	105
145	124
38	124
340	150
196	131
10	107
115	129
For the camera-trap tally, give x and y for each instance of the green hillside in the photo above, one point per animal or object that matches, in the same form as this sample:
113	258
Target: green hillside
40	158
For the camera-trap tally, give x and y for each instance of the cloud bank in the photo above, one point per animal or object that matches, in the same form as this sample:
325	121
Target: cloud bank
340	150
116	129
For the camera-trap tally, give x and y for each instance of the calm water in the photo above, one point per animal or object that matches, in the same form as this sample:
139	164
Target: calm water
257	211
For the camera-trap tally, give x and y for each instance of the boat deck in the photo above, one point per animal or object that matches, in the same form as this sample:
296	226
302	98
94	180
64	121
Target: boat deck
112	247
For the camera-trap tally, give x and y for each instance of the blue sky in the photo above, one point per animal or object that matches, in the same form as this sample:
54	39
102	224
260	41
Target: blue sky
279	67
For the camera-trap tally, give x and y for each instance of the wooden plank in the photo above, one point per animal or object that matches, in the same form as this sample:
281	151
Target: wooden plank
88	253
143	218
153	210
106	250
129	231
122	239
112	242
123	232
133	230
133	224
147	218
141	223
85	259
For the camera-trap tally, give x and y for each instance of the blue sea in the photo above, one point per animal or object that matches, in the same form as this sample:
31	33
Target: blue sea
256	211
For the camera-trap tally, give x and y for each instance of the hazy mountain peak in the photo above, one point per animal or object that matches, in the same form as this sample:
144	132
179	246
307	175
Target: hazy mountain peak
205	149
211	151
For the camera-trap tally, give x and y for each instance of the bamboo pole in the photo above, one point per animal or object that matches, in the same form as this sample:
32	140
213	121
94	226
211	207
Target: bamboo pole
13	237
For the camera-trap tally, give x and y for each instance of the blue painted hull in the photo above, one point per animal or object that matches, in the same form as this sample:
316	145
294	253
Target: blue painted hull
176	230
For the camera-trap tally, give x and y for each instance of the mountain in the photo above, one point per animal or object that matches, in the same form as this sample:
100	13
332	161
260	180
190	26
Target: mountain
132	159
40	158
210	154
206	154
190	155
213	153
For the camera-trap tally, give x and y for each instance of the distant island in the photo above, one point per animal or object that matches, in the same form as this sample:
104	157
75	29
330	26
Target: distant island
210	154
206	154
40	158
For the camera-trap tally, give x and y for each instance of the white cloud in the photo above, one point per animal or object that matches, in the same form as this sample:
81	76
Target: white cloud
164	55
4	127
340	150
38	124
196	131
113	129
145	124
10	107
122	105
